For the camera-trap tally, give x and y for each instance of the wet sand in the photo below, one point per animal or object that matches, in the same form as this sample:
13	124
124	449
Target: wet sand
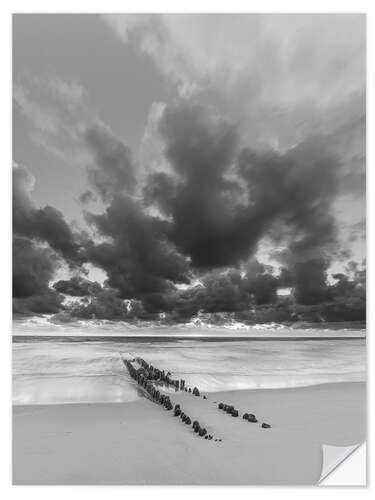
141	443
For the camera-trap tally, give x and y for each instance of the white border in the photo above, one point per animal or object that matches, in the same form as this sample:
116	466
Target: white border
7	7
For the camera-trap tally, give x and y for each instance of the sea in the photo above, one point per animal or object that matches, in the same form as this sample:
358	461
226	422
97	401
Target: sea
81	362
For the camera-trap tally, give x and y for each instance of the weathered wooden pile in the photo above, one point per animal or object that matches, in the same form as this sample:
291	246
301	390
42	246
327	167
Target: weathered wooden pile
231	410
148	377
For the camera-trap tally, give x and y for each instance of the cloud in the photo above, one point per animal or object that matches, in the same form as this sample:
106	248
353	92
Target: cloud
263	140
77	286
43	224
280	59
282	78
138	257
112	169
238	194
33	269
57	113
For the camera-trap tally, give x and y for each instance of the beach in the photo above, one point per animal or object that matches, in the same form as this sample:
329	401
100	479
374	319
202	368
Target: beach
139	442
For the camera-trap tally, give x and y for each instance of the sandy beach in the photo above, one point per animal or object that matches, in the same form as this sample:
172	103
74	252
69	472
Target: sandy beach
141	443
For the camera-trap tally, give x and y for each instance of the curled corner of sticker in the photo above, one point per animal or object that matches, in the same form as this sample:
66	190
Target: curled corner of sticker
333	456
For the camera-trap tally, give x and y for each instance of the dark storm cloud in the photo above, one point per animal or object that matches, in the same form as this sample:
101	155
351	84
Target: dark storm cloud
138	257
200	147
43	224
33	269
203	218
113	169
77	287
296	190
225	201
219	292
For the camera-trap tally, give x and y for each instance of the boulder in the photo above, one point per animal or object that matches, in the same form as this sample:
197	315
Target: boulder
265	426
177	412
234	413
202	431
252	418
245	416
188	420
220	406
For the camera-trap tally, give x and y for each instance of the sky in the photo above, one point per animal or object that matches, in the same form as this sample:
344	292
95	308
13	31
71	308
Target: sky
157	152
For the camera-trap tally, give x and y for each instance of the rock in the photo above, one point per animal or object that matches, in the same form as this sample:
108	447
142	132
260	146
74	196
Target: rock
245	416
229	409
220	406
205	437
196	391
177	413
177	407
202	431
196	428
195	423
204	397
188	421
234	413
252	418
210	437
265	426
189	390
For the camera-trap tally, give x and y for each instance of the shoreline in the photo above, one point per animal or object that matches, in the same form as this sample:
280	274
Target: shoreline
140	443
171	338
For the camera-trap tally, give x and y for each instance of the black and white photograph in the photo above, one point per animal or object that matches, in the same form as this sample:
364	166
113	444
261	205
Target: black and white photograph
188	247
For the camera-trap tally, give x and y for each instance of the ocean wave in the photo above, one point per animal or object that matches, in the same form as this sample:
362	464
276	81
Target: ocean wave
79	371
